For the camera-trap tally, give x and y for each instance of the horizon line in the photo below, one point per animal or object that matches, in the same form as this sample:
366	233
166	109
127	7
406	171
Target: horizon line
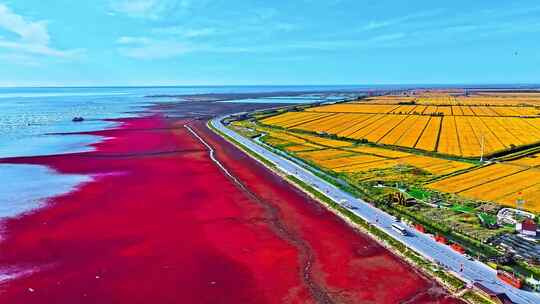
469	84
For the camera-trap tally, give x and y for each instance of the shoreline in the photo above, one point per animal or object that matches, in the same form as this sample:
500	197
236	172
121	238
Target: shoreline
414	259
77	222
310	195
316	195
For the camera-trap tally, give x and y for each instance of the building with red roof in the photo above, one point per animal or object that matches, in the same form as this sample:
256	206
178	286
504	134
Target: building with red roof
527	227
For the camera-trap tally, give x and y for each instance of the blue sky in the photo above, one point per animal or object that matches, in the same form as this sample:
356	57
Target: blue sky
214	42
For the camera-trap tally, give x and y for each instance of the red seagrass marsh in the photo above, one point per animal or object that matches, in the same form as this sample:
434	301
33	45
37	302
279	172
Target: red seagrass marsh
160	222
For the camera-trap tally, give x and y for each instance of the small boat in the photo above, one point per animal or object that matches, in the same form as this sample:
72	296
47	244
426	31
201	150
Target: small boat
77	119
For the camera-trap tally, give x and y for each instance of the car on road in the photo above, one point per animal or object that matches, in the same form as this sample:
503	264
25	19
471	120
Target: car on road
399	229
346	204
349	206
468	257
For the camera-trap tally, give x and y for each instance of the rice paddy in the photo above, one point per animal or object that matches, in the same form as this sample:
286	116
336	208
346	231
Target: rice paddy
445	126
507	184
430	131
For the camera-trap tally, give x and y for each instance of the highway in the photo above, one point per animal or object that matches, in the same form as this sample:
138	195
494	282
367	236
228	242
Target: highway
467	270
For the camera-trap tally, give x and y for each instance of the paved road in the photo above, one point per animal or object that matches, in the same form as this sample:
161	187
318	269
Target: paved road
469	271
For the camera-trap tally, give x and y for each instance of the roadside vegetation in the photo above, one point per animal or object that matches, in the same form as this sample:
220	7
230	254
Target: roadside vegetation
406	182
450	281
445	278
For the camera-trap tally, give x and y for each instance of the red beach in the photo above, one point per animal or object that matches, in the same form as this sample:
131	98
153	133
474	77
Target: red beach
161	223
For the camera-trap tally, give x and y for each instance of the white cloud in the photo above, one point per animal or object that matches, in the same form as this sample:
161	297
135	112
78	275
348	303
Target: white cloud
149	9
193	33
379	41
373	25
285	27
20	59
33	36
379	24
148	48
461	28
387	37
134	40
31	32
233	30
136	8
187	32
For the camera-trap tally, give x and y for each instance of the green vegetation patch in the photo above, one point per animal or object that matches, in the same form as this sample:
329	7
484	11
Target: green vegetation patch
418	193
462	209
475	298
487	219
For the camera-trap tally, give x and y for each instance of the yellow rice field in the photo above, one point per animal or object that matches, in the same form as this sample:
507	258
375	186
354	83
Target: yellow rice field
527	161
364	158
300	148
459	98
501	183
529	195
321	141
450	123
484	175
379	152
464	136
435	165
446	110
325	154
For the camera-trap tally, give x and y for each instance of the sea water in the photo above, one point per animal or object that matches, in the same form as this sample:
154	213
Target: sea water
28	186
31	118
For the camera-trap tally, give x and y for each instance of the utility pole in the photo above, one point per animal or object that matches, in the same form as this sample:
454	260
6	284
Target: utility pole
520	201
482	149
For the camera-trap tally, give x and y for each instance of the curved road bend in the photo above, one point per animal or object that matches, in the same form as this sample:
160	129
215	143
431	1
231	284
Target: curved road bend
469	271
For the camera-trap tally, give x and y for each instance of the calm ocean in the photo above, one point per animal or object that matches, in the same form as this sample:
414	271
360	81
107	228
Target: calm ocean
29	115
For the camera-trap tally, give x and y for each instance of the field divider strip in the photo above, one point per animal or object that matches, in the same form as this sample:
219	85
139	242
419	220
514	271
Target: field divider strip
310	120
493	133
457	136
439	131
407	130
423	130
492	180
399	123
362	125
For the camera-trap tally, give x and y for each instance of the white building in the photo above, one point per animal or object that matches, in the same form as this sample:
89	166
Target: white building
527	227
